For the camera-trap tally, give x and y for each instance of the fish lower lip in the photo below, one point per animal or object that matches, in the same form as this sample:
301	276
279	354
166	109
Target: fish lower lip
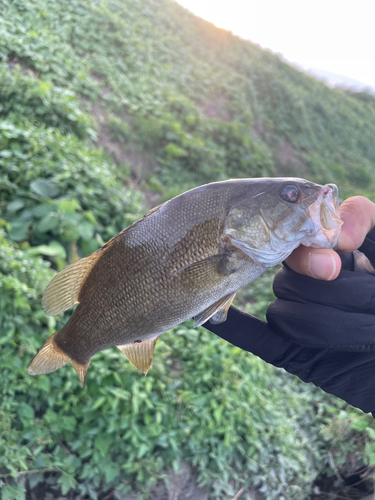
325	215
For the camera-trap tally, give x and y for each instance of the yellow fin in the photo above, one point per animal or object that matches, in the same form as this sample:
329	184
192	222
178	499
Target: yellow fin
221	315
50	358
217	311
81	370
140	353
62	293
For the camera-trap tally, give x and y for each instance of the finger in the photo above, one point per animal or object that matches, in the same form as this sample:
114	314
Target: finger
320	263
358	214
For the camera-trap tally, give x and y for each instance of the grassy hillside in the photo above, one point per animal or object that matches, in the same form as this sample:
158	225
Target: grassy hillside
173	95
100	103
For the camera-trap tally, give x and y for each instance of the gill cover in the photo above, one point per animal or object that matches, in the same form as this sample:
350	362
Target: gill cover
268	232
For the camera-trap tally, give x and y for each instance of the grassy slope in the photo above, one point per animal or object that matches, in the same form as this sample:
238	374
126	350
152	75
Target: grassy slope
180	96
176	102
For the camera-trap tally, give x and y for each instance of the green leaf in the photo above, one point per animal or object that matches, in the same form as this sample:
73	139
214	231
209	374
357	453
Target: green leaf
44	384
69	423
142	450
54	249
86	230
90	217
17	492
69	205
70	233
25	411
89	246
99	402
49	221
5	153
44	188
15	205
67	483
43	209
360	423
111	470
19	230
102	443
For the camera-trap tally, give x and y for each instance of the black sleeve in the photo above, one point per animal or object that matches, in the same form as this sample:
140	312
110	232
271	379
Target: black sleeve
368	246
323	332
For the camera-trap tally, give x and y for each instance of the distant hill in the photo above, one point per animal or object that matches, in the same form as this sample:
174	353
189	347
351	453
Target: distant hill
180	102
336	80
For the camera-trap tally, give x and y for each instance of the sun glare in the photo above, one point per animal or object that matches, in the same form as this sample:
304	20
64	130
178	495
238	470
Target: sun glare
333	36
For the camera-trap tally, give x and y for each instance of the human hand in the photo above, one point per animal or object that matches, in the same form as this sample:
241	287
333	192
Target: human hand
323	332
358	214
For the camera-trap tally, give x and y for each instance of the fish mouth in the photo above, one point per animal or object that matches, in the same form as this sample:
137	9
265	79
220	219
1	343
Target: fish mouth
325	215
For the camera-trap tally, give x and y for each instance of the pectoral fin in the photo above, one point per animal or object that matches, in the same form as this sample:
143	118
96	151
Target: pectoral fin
221	315
216	313
140	353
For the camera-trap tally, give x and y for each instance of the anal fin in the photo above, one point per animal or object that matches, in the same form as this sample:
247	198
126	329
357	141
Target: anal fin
217	312
63	291
140	353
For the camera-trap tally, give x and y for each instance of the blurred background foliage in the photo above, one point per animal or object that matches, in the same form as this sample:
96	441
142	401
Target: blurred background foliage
106	109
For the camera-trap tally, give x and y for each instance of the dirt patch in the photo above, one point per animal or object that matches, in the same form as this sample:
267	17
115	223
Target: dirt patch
288	161
139	162
217	107
180	485
351	484
104	89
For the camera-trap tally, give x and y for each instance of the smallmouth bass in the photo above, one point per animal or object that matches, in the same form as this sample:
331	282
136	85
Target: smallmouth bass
185	259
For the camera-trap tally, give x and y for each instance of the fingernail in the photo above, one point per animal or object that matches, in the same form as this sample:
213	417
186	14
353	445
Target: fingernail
322	266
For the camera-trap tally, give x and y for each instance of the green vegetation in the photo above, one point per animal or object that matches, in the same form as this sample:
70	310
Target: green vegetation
98	101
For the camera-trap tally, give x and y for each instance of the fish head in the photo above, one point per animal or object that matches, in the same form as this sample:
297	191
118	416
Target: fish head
276	216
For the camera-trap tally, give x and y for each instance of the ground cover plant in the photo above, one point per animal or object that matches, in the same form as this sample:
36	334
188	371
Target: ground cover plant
101	103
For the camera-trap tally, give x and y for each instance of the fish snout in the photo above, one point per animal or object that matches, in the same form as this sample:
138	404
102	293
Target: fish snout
325	215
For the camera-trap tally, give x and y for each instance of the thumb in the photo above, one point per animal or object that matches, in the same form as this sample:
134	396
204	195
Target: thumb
358	214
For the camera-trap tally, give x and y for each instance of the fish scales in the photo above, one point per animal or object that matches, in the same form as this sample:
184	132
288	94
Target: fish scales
186	258
140	271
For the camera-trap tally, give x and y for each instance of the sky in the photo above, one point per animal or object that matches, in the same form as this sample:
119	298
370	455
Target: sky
333	35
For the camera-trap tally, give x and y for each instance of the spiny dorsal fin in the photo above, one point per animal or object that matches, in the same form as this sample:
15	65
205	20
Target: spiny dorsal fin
140	353
63	291
217	312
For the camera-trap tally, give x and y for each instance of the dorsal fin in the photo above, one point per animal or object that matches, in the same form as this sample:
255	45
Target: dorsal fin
140	353
63	291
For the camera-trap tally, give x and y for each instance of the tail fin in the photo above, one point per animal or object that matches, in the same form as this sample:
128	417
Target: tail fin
51	357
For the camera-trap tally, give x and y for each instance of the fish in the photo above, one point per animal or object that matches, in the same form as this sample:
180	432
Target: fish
186	258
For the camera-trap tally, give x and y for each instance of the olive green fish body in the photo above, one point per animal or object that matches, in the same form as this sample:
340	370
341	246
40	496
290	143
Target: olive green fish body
149	275
186	258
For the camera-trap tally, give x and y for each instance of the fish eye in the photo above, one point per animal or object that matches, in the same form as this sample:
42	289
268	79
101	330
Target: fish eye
290	193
